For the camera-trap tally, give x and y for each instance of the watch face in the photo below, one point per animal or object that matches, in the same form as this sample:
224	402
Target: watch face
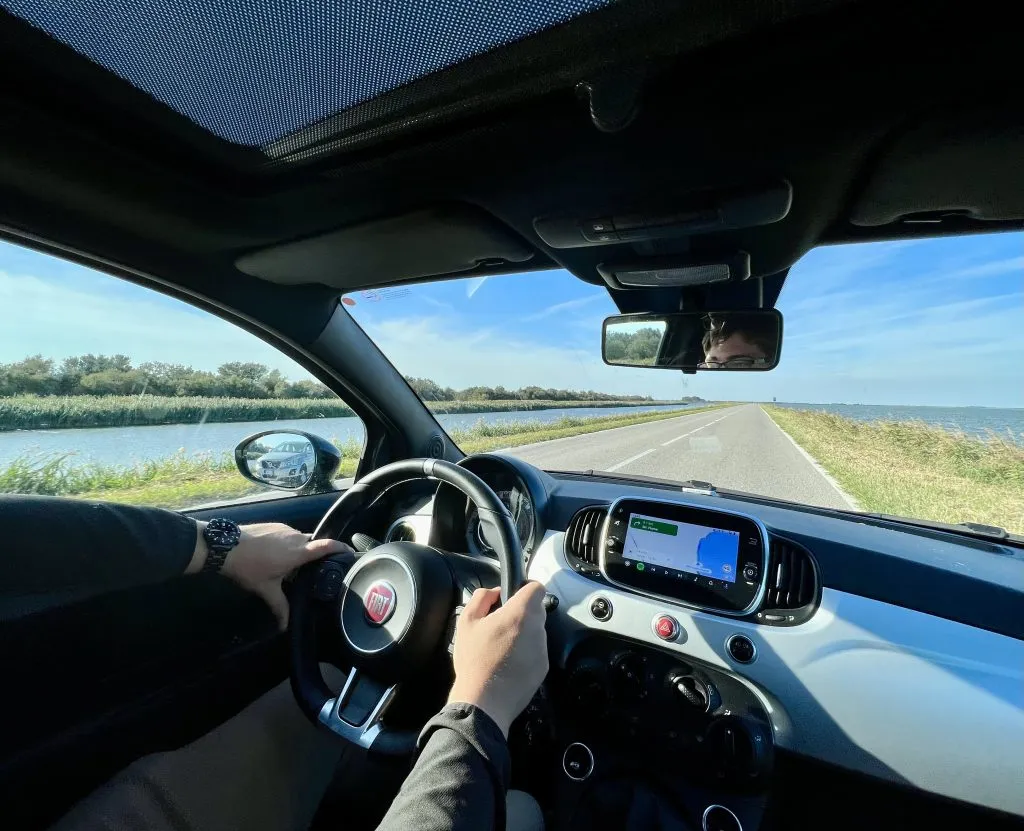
222	534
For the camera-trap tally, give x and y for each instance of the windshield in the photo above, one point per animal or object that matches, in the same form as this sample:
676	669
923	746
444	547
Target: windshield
899	388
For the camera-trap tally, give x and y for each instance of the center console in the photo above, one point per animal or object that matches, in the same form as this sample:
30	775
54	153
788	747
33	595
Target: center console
625	729
628	735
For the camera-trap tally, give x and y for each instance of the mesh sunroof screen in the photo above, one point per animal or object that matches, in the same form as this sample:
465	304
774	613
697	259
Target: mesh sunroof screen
253	71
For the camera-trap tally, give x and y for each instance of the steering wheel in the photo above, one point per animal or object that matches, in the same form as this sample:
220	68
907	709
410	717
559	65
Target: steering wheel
393	606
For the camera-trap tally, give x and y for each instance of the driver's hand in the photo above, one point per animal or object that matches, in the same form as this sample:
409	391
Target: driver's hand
501	658
269	552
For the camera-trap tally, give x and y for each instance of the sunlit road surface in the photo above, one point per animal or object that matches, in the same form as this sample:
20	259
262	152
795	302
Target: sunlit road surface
738	447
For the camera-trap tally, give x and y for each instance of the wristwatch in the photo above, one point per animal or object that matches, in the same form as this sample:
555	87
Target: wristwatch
221	536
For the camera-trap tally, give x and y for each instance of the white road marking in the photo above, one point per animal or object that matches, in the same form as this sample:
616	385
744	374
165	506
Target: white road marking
814	463
629	427
684	435
630	460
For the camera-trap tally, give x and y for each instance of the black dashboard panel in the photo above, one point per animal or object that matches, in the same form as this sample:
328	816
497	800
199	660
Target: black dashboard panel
522	489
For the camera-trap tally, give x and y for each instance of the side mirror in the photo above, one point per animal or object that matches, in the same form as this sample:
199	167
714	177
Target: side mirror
736	341
290	460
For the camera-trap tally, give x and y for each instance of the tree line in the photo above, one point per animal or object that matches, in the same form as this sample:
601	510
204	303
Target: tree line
116	375
637	347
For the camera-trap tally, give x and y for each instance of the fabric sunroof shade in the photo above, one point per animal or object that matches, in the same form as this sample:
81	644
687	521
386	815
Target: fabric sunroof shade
254	71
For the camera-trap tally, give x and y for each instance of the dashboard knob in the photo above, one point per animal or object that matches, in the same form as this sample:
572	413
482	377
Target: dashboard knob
588	688
741	750
627	677
696	693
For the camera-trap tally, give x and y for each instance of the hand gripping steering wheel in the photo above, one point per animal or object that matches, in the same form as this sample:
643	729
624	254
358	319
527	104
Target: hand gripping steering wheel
393	606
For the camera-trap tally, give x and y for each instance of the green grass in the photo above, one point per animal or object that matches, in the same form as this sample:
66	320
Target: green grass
183	481
32	412
913	469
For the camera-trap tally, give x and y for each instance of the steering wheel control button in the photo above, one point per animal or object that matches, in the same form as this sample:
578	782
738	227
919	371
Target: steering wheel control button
666	627
379	602
578	762
720	818
601	609
741	648
328	583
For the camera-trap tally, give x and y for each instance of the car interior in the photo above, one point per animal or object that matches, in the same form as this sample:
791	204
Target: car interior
860	672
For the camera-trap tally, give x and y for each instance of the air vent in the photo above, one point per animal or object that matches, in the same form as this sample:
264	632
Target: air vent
401	532
581	539
791	593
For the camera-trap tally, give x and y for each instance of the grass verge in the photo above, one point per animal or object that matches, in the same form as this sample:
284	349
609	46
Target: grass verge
183	481
913	469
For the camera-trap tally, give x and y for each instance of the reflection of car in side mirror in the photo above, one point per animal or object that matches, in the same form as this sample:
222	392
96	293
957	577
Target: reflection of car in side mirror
291	460
736	341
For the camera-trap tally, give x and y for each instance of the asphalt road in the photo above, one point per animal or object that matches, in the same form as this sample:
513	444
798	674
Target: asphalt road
738	447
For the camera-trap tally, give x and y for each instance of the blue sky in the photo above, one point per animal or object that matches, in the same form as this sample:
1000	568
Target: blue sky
927	322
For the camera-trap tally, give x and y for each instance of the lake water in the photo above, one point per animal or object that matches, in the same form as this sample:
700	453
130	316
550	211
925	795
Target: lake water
974	421
128	445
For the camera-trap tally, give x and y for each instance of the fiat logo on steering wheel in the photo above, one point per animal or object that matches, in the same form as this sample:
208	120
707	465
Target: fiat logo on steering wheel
379	602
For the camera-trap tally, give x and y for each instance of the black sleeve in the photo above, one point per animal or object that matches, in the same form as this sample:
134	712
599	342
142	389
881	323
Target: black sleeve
460	779
67	547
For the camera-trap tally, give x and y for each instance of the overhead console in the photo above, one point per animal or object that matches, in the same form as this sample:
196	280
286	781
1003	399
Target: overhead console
708	559
698	213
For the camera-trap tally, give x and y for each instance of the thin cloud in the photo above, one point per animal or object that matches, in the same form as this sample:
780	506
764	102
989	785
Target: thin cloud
1011	265
567	306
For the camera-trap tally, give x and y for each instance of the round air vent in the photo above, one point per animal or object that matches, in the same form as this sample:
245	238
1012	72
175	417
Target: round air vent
401	532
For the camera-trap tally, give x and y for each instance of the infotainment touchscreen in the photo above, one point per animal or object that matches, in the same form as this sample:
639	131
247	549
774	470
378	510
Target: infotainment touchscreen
698	556
682	547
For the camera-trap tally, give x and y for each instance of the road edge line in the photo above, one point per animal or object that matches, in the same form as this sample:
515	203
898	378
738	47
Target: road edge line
828	477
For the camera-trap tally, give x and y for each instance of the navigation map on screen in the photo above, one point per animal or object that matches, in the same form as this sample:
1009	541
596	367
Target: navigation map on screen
681	547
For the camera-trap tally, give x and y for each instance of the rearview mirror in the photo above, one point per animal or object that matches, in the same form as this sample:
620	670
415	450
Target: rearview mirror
740	341
290	460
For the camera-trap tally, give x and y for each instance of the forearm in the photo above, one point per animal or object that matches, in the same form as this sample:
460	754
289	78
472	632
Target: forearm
54	546
460	778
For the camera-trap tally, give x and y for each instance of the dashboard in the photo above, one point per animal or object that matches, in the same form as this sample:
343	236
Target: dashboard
719	638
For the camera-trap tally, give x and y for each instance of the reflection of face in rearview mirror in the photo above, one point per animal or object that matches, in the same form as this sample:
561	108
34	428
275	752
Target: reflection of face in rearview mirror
722	340
739	341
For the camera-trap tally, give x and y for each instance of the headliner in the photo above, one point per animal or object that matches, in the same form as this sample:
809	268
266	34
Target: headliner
882	132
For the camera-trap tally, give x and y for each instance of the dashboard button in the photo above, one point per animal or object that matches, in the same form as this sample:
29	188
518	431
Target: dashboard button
601	609
750	572
741	648
666	627
720	818
578	761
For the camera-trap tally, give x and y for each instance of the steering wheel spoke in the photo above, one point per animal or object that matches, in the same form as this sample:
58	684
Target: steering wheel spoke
356	712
